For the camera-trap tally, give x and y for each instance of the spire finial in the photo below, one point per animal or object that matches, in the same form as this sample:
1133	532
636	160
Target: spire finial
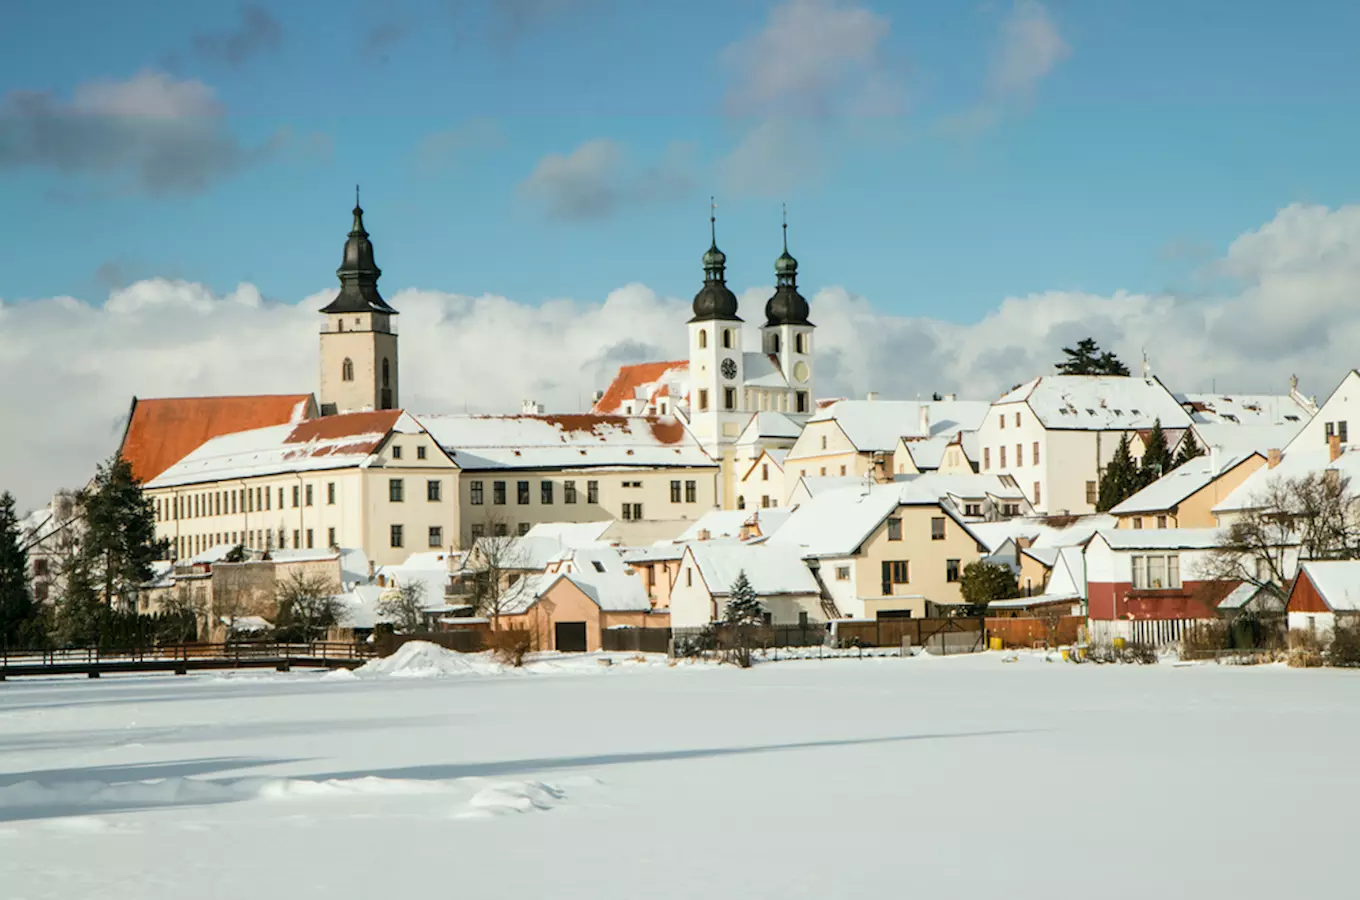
713	219
356	196
784	211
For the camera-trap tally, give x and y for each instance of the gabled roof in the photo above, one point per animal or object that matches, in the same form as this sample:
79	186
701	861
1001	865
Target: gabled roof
762	370
1160	538
1293	464
612	592
1043	531
639	382
1241	440
872	425
726	523
774	456
163	430
331	442
566	441
1245	409
1337	583
1099	402
773	425
771	569
1181	482
927	454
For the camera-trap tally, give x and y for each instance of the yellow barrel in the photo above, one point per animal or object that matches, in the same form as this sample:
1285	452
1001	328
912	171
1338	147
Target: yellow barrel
995	643
1118	643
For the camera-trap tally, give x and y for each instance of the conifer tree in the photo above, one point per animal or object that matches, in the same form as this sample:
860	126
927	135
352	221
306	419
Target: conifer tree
1156	456
1121	478
743	607
120	543
1087	359
80	615
1190	449
20	617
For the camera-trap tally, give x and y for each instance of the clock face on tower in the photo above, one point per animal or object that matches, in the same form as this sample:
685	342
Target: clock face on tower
800	371
729	369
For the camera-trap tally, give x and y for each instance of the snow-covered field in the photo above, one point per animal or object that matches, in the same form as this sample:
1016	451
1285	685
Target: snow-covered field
956	777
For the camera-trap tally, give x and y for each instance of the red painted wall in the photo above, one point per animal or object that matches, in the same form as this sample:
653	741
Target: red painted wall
1118	600
1305	597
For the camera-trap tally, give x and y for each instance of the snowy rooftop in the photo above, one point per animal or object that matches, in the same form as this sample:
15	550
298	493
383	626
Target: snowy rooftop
1043	531
1241	440
1162	538
1245	409
880	424
1099	402
1294	464
572	534
565	442
727	523
928	453
1338	581
332	442
762	370
1240	596
835	523
1181	482
771	568
770	424
613	591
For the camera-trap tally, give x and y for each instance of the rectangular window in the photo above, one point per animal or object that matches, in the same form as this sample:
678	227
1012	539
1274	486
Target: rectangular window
420	453
297	496
1138	523
1034	454
398	536
330	493
310	544
545	493
1161	521
972	509
498	493
1003	421
1017	420
434	490
764	501
475	493
330	538
436	536
233	502
951	570
592	492
1330	429
1341	431
522	529
986	457
1001	453
764	471
1156	572
842	573
1140	573
297	539
675	492
689	577
477	531
1037	499
1092	494
691	492
900	573
308	495
568	492
1019	454
802	401
729	398
894	572
522	493
703	400
894	529
1173	571
396	451
937	528
266	506
396	490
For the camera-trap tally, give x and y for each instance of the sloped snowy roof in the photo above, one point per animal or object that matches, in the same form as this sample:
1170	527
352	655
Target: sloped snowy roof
1178	484
1162	538
723	523
1240	596
771	569
643	381
1245	409
1045	531
928	453
1293	464
565	442
657	553
879	424
331	442
771	424
1337	581
835	523
571	534
762	370
1243	440
1099	402
612	591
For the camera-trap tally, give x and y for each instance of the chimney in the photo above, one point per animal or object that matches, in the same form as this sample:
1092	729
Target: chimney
1334	447
1273	458
951	397
871	396
745	533
597	397
703	534
371	570
531	408
925	420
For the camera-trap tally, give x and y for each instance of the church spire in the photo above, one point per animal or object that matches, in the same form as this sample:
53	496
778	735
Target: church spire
787	306
714	300
786	267
358	273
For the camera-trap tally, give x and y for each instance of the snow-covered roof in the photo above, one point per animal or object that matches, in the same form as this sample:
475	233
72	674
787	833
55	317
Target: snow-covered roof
547	542
1181	482
1293	464
727	523
1099	402
1243	440
658	553
772	425
360	606
1337	582
432	575
1245	409
612	591
1043	531
1162	538
641	386
1240	596
572	534
566	442
330	442
246	623
836	523
928	453
771	569
879	424
214	554
762	370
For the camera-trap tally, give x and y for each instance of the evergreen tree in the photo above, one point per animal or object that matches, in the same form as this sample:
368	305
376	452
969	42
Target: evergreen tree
120	543
1190	449
982	582
79	619
1088	359
1156	456
20	617
743	607
1120	480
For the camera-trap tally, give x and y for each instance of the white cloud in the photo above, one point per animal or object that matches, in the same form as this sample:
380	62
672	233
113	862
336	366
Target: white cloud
73	367
1029	47
599	178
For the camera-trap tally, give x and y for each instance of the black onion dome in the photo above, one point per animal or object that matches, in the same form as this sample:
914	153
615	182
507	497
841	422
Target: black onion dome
358	273
715	300
786	307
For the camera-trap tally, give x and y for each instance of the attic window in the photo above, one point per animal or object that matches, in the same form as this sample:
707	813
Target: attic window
1292	418
1063	411
583	453
1230	417
517	453
1136	413
1119	412
599	566
1090	412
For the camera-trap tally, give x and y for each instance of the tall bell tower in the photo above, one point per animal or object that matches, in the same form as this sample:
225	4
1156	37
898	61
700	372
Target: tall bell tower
716	363
359	338
787	333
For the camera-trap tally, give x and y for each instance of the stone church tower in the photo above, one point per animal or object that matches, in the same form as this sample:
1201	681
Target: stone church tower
787	333
359	341
716	361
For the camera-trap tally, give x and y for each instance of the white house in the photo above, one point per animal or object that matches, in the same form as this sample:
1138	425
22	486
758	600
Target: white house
787	590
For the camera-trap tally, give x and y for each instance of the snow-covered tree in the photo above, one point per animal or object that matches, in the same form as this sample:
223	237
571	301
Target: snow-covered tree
743	607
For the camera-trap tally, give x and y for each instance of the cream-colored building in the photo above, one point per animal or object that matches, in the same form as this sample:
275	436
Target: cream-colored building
1186	496
761	485
787	590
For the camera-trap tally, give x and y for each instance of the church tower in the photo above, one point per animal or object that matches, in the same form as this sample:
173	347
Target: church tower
787	333
359	341
716	367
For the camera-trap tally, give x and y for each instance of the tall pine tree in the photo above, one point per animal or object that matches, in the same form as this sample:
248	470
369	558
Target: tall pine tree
1190	449
120	533
743	606
1087	359
1120	480
1156	456
20	616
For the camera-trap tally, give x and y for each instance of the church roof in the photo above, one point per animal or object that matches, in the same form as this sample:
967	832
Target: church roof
163	430
358	273
645	378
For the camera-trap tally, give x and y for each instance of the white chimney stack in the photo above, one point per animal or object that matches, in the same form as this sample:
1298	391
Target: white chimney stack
872	395
925	420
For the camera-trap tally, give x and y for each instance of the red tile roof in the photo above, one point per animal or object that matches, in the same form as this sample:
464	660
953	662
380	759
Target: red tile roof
162	431
630	378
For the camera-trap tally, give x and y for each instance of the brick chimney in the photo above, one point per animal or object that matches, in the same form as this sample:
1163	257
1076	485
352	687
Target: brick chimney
1273	458
1334	447
704	534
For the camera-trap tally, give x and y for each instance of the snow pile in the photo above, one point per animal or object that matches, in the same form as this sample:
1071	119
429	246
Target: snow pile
421	659
514	797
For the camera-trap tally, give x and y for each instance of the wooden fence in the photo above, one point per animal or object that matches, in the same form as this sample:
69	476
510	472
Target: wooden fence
1023	631
635	640
467	640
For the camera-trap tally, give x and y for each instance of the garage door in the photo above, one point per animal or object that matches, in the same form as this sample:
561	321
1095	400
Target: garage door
571	637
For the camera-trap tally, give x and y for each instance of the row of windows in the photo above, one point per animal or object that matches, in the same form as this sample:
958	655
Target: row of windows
397	450
498	529
1019	456
434	536
822	472
936	528
1337	429
256	539
396	490
729	340
1138	522
898	571
729	400
1002	420
766	502
202	504
1156	572
347	368
681	492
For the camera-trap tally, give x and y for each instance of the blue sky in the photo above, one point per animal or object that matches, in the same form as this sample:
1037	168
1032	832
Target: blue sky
935	157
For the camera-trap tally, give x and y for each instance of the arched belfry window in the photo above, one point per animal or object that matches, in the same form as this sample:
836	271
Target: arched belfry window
387	374
703	338
727	337
774	343
800	343
347	370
